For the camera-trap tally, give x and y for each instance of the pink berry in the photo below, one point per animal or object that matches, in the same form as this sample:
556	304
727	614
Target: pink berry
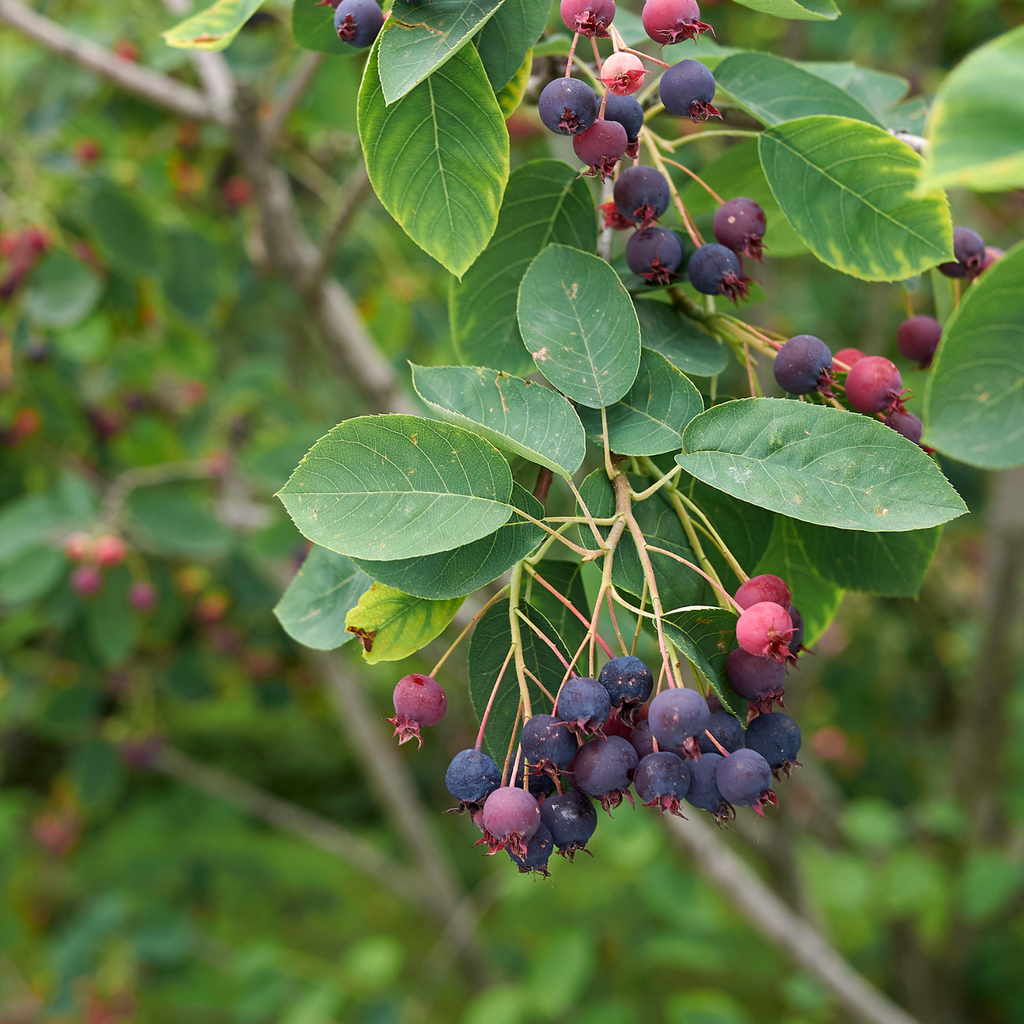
418	701
764	588
765	629
623	73
77	546
671	21
918	338
109	551
847	356
601	146
874	385
87	581
510	817
142	596
588	17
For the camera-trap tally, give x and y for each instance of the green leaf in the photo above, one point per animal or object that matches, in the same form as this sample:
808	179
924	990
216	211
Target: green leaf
705	636
110	623
796	10
490	643
511	94
324	590
847	189
888	564
124	233
391	625
974	401
507	37
877	90
387	487
663	329
514	414
818	464
175	520
190	275
567	579
213	28
26	523
651	417
61	292
313	29
465	569
419	38
774	90
546	201
438	158
578	322
31	574
977	121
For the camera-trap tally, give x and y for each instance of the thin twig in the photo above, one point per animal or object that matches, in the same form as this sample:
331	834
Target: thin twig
295	88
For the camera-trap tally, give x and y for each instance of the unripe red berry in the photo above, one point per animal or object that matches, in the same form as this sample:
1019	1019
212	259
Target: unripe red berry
109	551
77	546
510	817
623	73
672	21
588	17
847	356
87	581
918	338
765	629
874	385
418	701
601	147
142	596
764	588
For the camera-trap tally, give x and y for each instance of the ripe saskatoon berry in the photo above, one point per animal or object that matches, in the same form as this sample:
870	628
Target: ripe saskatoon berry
357	22
627	112
567	106
109	551
726	729
641	194
687	89
604	768
874	385
571	819
601	147
969	250
777	739
588	17
547	741
655	254
584	705
740	225
641	738
763	588
744	779
629	683
918	338
540	784
715	270
539	848
77	547
418	701
87	581
672	21
510	817
703	792
759	680
797	643
804	365
907	424
472	777
142	596
765	629
848	356
662	779
623	73
677	716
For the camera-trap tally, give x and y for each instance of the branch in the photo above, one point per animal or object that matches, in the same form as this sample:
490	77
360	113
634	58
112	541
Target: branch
158	89
782	926
293	92
358	189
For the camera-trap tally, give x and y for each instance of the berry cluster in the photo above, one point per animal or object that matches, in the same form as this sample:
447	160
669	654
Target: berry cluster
91	556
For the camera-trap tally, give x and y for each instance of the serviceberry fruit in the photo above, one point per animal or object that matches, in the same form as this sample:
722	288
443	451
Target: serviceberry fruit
615	726
567	106
604	769
740	225
601	147
358	22
539	848
776	738
765	629
109	551
745	780
655	254
539	784
510	817
142	596
703	791
588	17
715	270
627	112
758	680
848	356
797	643
418	701
874	385
641	194
641	738
584	705
992	253
571	819
726	729
472	777
629	683
623	73
547	742
804	365
77	547
687	89
969	250
918	338
677	717
672	21
662	779
905	423
87	581
763	588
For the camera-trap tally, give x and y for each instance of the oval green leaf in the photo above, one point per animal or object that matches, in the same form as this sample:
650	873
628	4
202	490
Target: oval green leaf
546	201
663	329
879	91
313	28
511	94
818	464
386	487
508	36
391	625
61	292
213	28
795	10
126	236
578	322
514	414
847	189
974	402
438	158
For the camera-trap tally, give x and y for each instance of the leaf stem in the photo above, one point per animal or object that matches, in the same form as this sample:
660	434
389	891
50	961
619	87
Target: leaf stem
659	162
540	633
514	584
697	178
608	467
588	518
490	700
615	625
718	586
472	622
511	744
639	619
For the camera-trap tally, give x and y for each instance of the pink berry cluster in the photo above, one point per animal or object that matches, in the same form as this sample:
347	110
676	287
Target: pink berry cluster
94	555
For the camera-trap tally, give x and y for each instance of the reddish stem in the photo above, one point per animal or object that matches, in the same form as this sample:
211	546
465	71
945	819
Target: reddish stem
568	604
725	753
572	53
538	631
490	700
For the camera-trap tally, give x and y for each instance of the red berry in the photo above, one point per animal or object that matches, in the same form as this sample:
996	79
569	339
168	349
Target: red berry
109	551
907	424
874	385
623	73
588	17
142	596
601	147
764	588
847	356
418	701
77	546
671	21
510	817
765	629
87	581
918	338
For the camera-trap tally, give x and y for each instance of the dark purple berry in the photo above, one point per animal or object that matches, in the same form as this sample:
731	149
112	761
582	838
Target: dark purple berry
601	147
540	784
629	683
757	679
568	106
703	792
584	705
969	250
641	738
655	254
539	848
472	777
641	194
804	365
745	780
740	225
776	738
662	779
874	385
907	424
358	22
687	89
726	729
627	112
918	338
547	740
604	768
418	701
763	588
510	817
715	270
677	716
797	643
588	17
571	819
672	21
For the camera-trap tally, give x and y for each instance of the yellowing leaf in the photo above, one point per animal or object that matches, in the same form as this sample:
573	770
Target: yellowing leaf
212	28
392	625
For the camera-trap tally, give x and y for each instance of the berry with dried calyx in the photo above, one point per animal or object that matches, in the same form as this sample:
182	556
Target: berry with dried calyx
418	701
672	21
764	588
629	683
601	147
510	817
765	629
969	250
678	716
539	848
612	218
571	819
655	254
715	270
539	784
567	106
687	89
471	778
604	769
626	111
847	356
745	780
547	742
588	17
641	194
918	338
776	738
874	385
623	73
804	365
740	225
703	791
358	22
758	680
662	779
726	729
907	424
584	705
